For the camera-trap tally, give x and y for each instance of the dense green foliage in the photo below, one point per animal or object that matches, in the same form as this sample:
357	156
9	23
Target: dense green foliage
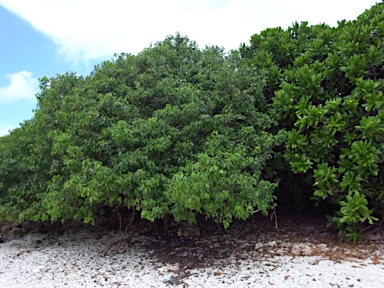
327	86
184	131
174	130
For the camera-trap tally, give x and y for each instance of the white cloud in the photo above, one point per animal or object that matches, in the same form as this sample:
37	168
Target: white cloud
89	29
22	86
5	130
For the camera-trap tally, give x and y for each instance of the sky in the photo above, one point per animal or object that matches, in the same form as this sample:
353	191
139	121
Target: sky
49	37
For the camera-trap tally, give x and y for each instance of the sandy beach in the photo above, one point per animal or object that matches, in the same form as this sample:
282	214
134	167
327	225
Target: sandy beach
252	255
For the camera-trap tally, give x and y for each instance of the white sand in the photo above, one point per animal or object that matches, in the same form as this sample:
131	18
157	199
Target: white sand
73	260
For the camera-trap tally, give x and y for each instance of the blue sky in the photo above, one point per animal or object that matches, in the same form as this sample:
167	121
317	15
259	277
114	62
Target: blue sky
26	55
48	37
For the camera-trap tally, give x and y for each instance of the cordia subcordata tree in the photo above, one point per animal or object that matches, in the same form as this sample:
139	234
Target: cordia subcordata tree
173	130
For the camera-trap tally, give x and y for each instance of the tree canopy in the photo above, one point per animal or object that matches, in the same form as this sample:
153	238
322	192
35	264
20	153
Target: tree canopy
175	129
183	131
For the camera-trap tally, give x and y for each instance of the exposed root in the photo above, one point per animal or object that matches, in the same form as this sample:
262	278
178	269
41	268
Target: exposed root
274	216
126	241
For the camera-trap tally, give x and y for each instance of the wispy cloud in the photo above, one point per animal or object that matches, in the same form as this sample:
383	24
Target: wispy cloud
90	29
22	86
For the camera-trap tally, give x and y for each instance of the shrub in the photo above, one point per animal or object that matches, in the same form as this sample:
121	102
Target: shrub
327	86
